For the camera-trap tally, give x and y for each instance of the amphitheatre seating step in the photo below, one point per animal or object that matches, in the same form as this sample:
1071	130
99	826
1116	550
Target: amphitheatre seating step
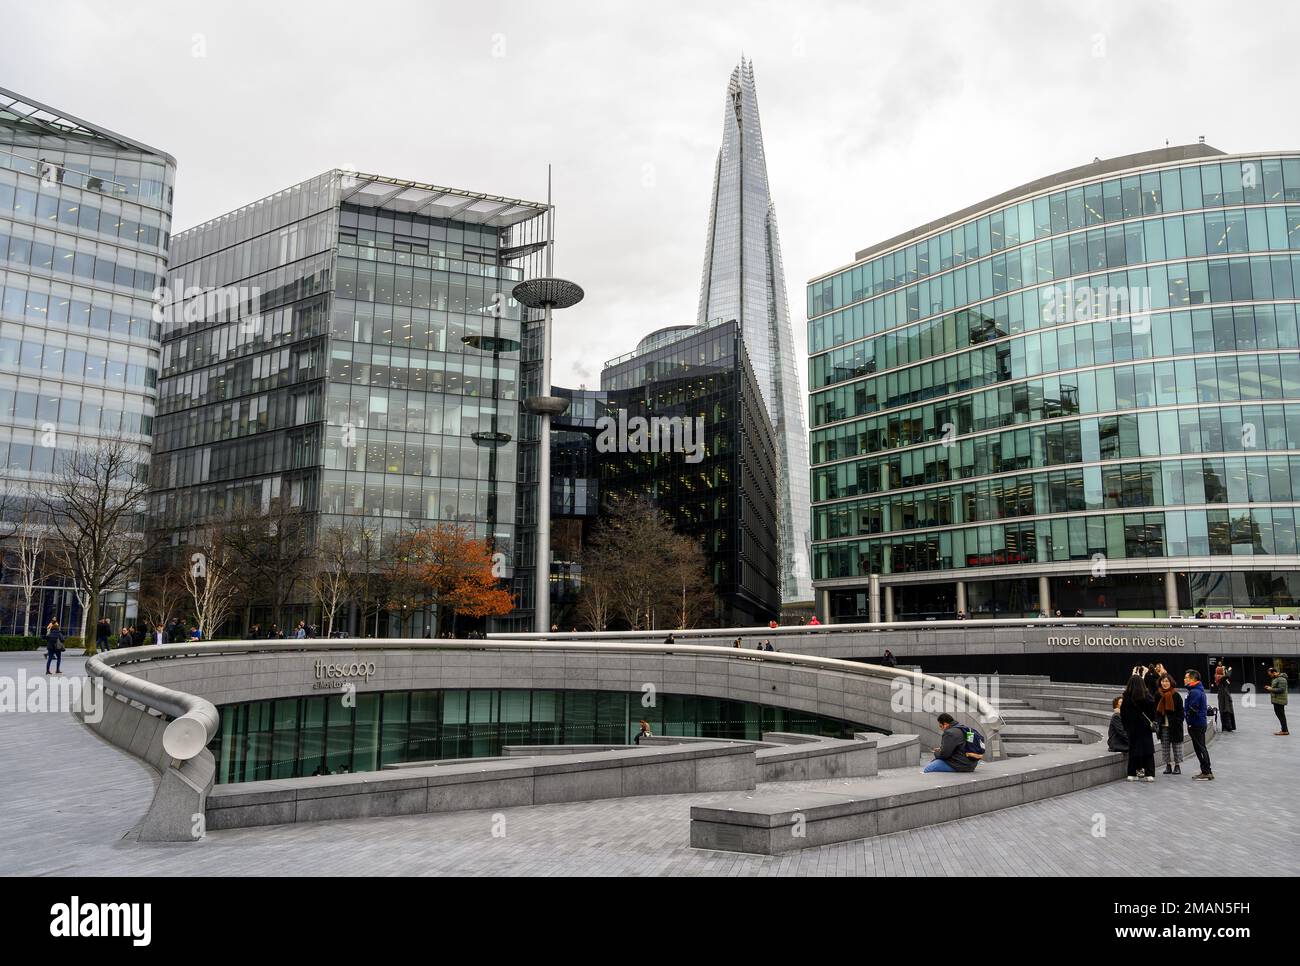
1019	716
792	820
1037	732
1021	749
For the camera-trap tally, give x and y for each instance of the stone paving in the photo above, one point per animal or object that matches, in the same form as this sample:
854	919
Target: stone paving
67	798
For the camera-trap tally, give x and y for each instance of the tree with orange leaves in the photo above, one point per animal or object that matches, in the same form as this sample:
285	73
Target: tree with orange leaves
447	567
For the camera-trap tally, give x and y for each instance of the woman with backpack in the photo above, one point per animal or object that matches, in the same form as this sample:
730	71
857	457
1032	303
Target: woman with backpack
1169	718
1137	710
54	638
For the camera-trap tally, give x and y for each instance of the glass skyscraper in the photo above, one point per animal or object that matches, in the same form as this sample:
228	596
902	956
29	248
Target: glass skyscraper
349	347
1080	395
744	280
85	224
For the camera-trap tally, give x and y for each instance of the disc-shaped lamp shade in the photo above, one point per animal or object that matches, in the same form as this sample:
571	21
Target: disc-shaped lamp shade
537	293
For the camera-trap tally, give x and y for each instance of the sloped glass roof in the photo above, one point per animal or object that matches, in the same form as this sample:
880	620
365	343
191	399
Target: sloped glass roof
23	110
391	194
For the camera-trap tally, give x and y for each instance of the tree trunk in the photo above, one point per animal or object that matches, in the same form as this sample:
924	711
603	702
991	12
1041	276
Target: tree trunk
90	623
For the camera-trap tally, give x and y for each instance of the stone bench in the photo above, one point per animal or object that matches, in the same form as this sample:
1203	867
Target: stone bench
788	821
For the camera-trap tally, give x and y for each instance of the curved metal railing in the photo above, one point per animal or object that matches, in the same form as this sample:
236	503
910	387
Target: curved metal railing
979	623
196	719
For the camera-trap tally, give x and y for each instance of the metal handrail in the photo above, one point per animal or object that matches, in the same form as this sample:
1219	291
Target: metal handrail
950	624
194	719
194	709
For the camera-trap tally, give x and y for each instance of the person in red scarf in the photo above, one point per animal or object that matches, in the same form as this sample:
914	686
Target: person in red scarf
1169	716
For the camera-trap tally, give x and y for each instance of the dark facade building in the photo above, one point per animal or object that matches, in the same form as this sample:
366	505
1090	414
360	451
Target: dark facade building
724	487
347	347
85	225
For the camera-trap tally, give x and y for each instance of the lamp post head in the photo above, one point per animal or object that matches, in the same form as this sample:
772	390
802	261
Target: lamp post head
537	293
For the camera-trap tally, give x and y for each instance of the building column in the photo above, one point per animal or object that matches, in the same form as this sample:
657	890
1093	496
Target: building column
1171	594
1044	596
961	598
823	606
889	603
873	598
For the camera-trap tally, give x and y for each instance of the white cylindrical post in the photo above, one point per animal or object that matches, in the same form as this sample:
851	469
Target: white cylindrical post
542	581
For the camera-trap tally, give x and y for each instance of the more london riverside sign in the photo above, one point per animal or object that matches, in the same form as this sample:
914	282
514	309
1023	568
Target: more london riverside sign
1131	641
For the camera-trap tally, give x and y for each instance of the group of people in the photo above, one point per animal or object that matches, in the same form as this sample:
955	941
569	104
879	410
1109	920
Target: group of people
1152	708
301	631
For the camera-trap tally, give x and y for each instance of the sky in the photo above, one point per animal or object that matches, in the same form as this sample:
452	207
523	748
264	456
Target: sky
877	117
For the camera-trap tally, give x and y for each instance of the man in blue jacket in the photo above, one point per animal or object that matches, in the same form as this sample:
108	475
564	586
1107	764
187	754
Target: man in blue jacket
1195	708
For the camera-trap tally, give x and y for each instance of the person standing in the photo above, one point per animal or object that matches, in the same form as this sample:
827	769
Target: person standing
1223	692
1169	718
1116	737
54	638
1277	689
103	629
1196	708
1137	710
124	638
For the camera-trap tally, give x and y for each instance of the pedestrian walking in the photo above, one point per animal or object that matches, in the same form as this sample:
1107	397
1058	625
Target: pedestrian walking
1169	718
1196	708
54	638
1137	711
1277	689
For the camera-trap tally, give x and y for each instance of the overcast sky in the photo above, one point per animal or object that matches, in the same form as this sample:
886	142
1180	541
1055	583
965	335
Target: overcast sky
876	117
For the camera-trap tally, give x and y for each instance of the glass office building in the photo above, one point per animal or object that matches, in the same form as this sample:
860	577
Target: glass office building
728	498
85	225
349	347
1080	395
744	279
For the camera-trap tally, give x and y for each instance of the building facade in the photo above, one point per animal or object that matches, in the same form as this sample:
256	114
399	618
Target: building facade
1082	395
724	491
346	349
85	226
744	279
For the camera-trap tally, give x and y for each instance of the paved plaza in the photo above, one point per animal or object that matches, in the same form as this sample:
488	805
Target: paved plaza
67	799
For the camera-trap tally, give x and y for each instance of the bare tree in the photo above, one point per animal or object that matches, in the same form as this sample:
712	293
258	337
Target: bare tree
30	547
635	568
332	583
370	585
210	581
686	567
162	595
95	507
273	546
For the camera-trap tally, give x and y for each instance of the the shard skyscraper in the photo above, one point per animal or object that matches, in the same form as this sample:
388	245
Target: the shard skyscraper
744	280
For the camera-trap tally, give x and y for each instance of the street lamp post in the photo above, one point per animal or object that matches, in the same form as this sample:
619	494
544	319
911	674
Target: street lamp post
545	294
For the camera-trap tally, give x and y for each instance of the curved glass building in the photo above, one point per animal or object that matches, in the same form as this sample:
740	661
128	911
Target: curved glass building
1081	395
85	228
